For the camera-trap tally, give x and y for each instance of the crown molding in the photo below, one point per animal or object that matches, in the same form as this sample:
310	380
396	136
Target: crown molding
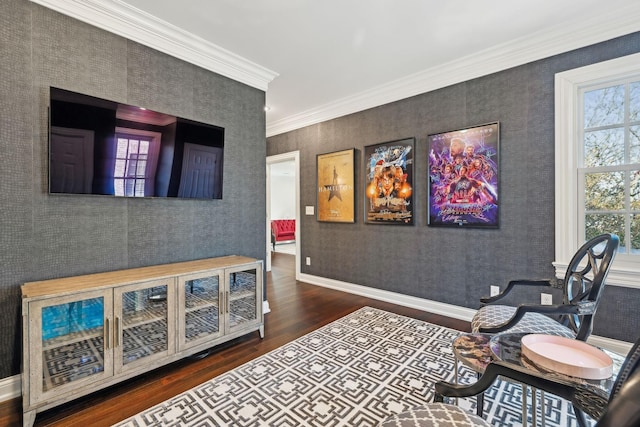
517	52
124	20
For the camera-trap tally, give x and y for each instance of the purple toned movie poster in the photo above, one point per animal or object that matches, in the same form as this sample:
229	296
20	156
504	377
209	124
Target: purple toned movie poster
463	177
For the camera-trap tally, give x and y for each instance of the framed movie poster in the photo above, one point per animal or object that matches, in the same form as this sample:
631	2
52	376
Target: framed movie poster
389	182
336	195
463	177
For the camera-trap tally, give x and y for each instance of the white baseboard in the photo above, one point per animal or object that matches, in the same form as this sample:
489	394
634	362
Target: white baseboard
11	387
444	309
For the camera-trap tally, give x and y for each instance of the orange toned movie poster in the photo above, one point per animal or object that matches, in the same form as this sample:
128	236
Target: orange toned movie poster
389	182
336	187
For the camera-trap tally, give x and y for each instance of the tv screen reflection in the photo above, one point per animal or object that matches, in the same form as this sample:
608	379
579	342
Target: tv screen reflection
101	147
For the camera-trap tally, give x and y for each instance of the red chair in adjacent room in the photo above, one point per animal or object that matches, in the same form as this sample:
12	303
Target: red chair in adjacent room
282	230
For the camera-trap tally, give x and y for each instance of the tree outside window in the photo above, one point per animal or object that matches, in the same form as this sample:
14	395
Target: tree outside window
611	162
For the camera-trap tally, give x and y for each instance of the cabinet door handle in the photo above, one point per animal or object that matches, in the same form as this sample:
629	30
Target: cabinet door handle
117	332
107	334
222	303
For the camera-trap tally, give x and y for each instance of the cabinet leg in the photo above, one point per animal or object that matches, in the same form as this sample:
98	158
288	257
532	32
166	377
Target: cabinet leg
261	330
28	418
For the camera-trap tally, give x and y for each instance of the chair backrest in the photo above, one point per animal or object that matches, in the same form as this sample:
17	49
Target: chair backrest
585	278
623	409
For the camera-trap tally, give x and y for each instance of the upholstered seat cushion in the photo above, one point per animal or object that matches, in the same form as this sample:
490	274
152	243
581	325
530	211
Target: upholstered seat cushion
534	323
434	415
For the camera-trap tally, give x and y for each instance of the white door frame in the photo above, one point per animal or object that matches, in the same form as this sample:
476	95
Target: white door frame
284	157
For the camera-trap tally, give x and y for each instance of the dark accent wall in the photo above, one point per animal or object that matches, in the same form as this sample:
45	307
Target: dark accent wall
43	236
457	266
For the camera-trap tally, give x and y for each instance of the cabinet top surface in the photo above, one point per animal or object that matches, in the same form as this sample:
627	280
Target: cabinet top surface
128	276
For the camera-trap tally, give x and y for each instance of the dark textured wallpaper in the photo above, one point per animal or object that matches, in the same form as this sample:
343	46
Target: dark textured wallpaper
45	236
450	265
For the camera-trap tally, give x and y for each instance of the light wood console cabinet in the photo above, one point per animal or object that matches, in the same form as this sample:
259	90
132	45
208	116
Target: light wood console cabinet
84	333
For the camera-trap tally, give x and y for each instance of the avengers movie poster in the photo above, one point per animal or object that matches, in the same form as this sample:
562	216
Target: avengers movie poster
463	177
389	182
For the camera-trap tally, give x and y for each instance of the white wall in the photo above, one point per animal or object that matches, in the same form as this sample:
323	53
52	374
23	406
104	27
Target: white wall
283	190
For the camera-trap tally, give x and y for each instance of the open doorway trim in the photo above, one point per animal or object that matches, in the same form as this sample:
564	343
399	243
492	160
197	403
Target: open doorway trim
284	157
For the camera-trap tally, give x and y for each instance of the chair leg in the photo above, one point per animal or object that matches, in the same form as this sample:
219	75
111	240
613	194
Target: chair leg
480	401
582	422
543	411
534	407
479	397
524	404
455	377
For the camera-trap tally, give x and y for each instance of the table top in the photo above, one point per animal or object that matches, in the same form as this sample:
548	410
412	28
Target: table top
473	350
476	351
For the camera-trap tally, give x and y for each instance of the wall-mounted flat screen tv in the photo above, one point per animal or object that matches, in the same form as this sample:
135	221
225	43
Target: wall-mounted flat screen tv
101	147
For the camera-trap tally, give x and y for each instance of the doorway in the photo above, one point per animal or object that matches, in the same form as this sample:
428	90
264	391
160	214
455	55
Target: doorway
283	197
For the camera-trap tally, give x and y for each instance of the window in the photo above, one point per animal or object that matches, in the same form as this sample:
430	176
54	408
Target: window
135	162
131	164
608	170
597	165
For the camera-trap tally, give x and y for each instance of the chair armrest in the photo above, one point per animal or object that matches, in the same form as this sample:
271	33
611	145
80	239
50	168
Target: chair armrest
585	307
513	283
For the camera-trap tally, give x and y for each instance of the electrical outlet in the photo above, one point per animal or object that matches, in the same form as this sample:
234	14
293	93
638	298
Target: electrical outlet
546	299
308	260
495	290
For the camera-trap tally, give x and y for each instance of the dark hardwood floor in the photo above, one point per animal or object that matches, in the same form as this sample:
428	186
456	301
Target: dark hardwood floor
296	309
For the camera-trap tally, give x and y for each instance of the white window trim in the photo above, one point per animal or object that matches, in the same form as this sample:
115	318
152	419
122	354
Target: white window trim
567	84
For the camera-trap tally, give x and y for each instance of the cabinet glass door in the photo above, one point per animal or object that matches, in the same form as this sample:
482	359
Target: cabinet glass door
244	297
199	302
142	316
71	334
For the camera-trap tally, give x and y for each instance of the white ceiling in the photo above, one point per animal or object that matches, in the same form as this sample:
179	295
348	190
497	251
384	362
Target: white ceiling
319	59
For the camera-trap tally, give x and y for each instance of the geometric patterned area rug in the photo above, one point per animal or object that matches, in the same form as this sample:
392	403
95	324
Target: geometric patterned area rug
355	371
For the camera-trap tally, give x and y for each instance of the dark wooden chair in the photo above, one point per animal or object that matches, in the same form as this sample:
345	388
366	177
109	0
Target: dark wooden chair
582	287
